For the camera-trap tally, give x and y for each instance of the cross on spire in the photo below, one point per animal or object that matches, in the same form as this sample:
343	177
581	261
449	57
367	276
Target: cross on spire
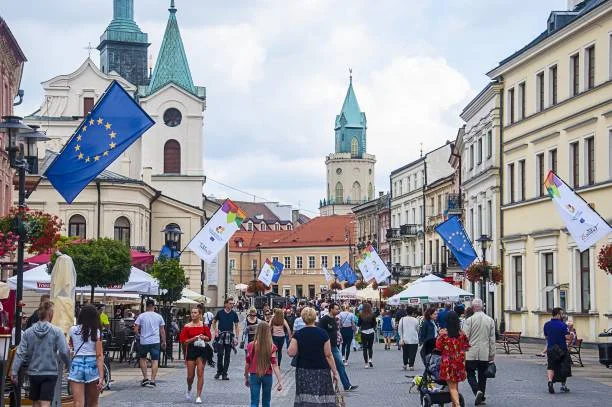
89	48
351	75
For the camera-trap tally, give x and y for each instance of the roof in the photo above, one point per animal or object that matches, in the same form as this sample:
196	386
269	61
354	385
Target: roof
123	28
172	65
410	164
557	20
257	212
351	113
303	219
12	42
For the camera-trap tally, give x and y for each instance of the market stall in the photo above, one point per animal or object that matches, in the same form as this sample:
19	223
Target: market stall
430	289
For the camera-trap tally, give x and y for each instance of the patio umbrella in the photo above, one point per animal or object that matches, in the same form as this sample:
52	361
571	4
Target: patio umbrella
186	301
430	289
368	293
4	290
195	296
63	284
349	293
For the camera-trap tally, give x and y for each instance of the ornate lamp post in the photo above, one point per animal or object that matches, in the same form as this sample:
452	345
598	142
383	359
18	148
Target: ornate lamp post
485	243
172	236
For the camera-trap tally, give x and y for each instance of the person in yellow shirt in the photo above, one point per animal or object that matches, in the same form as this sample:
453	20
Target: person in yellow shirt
104	321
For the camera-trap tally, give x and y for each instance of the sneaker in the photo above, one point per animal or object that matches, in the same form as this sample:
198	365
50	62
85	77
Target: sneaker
565	389
551	388
217	376
225	377
198	400
404	367
367	366
411	368
479	398
370	363
151	384
188	395
351	388
144	382
345	362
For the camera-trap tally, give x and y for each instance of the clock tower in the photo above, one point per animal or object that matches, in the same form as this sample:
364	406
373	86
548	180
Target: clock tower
123	46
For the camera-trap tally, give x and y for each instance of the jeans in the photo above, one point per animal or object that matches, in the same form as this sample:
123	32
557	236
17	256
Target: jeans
367	342
260	384
340	366
347	338
471	366
278	341
223	359
409	352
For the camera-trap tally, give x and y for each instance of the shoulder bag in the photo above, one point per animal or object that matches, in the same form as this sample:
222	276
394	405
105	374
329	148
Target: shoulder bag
491	371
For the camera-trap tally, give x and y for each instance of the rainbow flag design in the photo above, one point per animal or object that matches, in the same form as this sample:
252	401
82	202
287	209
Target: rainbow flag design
552	184
234	213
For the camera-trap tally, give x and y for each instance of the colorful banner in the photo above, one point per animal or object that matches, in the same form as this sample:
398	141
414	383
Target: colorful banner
267	273
277	267
582	222
372	267
211	239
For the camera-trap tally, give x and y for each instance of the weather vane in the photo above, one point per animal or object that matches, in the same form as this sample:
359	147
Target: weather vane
351	74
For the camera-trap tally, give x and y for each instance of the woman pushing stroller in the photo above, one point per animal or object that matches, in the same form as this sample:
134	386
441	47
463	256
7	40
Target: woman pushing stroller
452	344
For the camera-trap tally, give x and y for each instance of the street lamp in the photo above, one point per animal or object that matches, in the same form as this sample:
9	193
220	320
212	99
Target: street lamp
485	242
172	236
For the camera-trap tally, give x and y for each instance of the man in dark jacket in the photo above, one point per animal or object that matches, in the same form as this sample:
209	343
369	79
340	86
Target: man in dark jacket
330	325
559	362
34	317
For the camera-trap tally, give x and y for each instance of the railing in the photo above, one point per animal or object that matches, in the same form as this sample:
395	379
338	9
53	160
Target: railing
393	234
409	229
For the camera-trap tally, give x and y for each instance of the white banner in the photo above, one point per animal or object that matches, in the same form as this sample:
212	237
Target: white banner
582	222
211	239
365	270
373	265
212	272
266	274
328	276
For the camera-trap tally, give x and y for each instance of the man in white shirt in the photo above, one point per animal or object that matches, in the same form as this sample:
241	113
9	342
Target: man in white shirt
150	326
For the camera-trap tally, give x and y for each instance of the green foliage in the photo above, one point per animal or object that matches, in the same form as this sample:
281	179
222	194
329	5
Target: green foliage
99	263
171	277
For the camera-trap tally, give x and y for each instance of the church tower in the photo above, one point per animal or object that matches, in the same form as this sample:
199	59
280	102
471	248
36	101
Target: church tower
123	47
350	170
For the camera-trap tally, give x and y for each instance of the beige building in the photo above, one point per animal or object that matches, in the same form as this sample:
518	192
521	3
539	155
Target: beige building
557	115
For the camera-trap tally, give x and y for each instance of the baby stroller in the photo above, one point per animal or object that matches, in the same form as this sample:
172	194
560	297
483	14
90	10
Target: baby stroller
432	390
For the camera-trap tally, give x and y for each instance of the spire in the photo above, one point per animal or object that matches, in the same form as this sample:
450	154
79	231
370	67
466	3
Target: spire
172	65
123	17
350	115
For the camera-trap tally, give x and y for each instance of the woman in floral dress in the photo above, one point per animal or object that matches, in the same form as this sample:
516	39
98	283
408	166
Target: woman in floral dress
452	343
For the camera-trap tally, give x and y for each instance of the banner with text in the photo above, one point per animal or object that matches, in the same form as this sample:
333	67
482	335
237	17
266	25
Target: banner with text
267	273
372	267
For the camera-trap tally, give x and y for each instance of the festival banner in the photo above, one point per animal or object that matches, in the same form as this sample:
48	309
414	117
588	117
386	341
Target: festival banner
328	276
582	222
349	273
266	274
372	267
212	272
211	239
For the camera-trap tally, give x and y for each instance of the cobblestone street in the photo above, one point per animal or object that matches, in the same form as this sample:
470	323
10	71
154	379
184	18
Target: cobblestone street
520	382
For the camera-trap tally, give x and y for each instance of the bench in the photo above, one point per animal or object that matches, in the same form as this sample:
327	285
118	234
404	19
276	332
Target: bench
510	341
574	352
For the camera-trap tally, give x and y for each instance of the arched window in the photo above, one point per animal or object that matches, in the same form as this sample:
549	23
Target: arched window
370	192
354	147
172	157
356	192
77	226
122	230
339	193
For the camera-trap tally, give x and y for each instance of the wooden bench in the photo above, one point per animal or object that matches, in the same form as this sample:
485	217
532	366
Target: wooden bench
510	341
574	352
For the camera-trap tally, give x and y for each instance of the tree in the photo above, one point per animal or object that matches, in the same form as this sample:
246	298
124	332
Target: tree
171	277
99	263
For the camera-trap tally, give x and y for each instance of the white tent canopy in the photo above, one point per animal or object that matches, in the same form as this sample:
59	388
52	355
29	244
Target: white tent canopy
349	293
139	283
368	293
194	296
430	289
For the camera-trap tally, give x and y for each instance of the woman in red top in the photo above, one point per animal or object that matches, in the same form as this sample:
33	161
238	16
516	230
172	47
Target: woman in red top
194	338
452	343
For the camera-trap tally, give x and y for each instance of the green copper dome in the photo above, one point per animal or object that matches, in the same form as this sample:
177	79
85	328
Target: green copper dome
351	126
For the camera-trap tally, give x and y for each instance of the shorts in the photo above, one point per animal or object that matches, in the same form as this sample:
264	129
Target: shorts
84	369
388	334
195	352
42	388
153	349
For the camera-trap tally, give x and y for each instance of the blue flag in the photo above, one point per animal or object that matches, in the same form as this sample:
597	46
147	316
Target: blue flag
349	273
453	234
339	273
277	266
114	123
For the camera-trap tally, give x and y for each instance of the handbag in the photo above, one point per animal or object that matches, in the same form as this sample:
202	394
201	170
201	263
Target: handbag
491	371
339	397
294	361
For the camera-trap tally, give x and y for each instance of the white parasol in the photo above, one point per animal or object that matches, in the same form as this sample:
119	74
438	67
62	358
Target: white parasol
63	282
241	287
430	289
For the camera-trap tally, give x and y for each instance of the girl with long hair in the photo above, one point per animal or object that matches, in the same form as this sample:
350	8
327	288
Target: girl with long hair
453	343
87	368
280	329
194	337
367	325
260	363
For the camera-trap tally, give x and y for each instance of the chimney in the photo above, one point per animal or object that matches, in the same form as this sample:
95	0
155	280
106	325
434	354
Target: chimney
146	175
295	215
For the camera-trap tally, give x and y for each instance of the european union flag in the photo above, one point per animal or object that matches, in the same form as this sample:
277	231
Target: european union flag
277	266
114	123
339	273
453	234
349	273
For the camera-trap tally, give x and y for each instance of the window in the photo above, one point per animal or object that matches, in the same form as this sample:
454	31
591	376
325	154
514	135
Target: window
522	99
277	227
575	164
339	193
575	74
172	117
479	150
590	160
480	231
311	262
311	291
274	258
298	262
172	157
511	105
439	204
299	291
275	288
77	226
585	282
550	280
356	192
552	74
471	223
289	226
354	147
540	91
540	190
249	226
590	68
263	227
336	261
122	230
253	264
517	263
88	104
471	156
287	262
552	160
489	143
511	181
232	264
490	218
522	178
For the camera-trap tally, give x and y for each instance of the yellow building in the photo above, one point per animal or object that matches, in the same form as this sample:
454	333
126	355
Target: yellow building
557	114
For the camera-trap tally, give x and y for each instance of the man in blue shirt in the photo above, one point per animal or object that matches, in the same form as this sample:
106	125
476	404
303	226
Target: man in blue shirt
557	333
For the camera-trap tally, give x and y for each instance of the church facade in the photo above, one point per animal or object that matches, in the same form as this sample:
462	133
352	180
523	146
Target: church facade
158	181
350	169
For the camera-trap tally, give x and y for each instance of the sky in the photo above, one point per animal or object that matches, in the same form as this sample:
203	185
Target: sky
276	73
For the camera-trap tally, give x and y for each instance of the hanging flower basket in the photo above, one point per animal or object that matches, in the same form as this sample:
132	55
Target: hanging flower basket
360	285
391	290
256	286
480	270
41	231
604	258
335	286
497	276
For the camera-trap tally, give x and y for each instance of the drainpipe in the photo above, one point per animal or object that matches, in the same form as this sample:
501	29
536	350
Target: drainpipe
99	189
502	324
155	198
424	211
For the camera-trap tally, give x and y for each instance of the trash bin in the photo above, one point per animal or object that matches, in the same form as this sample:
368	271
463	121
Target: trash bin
605	348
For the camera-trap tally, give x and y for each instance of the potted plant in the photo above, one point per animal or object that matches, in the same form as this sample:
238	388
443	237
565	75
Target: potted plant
604	258
483	270
360	285
256	286
335	286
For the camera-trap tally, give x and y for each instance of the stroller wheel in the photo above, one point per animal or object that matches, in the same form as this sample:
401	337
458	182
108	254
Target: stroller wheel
461	400
426	401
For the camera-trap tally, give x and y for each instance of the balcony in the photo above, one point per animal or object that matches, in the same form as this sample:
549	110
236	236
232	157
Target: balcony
409	230
393	234
454	205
